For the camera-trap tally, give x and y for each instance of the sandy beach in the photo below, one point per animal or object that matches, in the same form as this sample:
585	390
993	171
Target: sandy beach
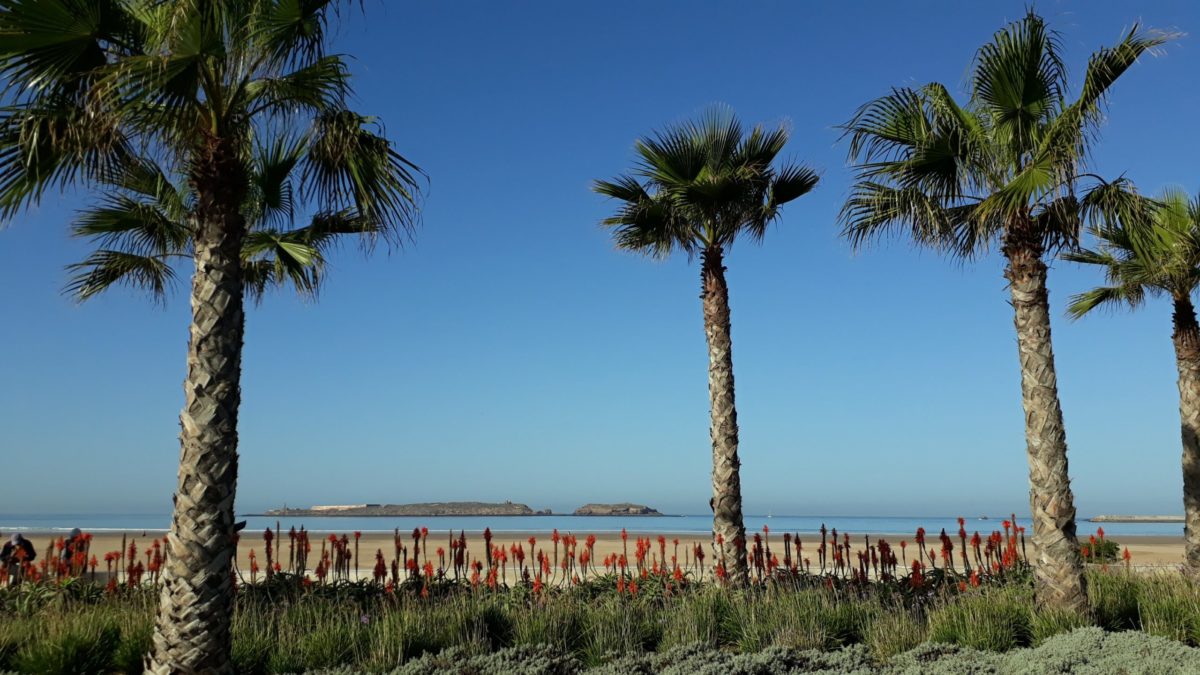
1146	551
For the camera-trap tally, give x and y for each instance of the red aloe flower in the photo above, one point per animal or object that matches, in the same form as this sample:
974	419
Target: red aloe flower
917	579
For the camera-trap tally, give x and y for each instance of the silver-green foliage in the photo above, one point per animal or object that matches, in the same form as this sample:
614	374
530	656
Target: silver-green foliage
1090	651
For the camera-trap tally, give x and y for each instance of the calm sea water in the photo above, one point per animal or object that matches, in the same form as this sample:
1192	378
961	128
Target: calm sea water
696	524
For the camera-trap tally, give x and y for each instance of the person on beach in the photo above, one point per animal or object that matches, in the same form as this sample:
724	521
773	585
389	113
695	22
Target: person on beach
72	543
18	550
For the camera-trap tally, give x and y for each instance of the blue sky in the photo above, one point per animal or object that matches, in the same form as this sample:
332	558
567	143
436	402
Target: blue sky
511	353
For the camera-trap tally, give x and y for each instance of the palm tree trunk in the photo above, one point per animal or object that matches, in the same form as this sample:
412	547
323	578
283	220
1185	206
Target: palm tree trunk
1187	358
192	627
1058	566
728	527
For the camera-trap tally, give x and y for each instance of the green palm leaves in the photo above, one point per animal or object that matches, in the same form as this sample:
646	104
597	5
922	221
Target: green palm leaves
143	227
958	176
90	81
1156	256
702	184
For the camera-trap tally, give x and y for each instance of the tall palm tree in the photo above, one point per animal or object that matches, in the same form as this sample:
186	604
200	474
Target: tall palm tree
1006	167
697	187
95	85
1160	259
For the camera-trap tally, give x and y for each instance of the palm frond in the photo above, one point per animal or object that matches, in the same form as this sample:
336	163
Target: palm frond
1146	247
888	128
48	46
644	223
789	183
106	268
293	32
1082	303
876	210
1019	79
319	87
53	144
273	195
349	166
703	183
133	226
1109	63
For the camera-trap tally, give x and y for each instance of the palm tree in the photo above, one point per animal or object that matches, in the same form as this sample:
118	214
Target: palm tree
1006	167
142	227
1160	258
94	86
699	186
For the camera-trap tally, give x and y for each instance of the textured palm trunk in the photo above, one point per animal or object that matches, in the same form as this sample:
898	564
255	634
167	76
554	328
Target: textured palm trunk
729	531
192	627
1057	563
1187	358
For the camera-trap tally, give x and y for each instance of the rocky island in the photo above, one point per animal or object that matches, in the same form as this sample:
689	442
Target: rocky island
431	509
623	509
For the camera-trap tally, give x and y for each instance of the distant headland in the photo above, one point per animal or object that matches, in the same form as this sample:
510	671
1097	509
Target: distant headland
429	509
622	509
1137	519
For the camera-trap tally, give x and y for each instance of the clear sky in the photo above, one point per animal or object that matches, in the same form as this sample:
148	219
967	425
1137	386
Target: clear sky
512	353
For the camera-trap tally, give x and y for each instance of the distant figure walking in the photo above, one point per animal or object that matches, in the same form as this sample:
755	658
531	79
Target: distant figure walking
16	552
73	544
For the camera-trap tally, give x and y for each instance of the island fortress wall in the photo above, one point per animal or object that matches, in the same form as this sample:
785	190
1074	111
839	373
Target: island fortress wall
340	507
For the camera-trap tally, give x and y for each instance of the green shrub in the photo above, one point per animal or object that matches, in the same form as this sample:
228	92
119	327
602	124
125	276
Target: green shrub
705	617
617	627
81	649
1169	607
523	660
752	624
704	660
895	632
560	623
253	649
1114	599
846	620
995	620
847	628
316	635
1093	651
1047	623
14	633
136	642
400	636
1106	551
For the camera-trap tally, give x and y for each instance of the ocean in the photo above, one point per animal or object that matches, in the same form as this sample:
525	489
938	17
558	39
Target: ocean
691	524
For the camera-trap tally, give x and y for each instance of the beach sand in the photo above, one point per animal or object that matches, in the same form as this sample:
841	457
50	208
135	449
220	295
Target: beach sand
1146	551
